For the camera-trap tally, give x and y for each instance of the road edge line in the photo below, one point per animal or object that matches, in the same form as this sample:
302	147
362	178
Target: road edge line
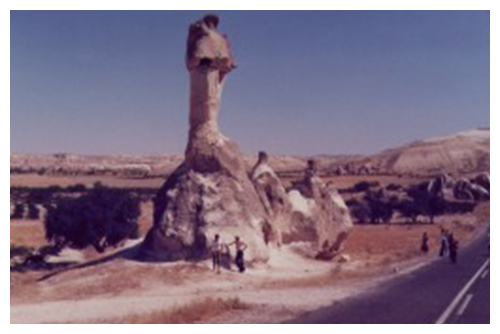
485	273
465	303
447	312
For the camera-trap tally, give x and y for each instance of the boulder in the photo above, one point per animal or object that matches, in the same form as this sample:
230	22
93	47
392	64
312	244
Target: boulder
442	185
66	255
466	190
482	180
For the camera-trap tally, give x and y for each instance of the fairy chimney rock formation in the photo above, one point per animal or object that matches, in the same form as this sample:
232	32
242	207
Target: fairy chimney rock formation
273	196
210	192
320	214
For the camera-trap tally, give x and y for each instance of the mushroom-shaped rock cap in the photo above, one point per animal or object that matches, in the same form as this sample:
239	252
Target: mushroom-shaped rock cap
207	46
211	20
263	157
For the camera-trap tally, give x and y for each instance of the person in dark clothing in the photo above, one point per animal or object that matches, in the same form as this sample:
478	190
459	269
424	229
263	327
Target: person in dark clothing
216	250
453	248
240	249
425	243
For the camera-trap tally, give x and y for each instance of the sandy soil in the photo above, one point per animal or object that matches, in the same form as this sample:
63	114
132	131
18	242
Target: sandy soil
164	286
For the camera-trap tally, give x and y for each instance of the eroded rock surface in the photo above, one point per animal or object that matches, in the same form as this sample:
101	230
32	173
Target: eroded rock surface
275	200
320	214
450	189
192	207
211	193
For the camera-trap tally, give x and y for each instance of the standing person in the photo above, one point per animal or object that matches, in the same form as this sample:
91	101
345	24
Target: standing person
444	243
425	243
216	250
453	248
240	249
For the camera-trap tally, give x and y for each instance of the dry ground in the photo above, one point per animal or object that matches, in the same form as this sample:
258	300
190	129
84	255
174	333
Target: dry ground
196	312
29	233
35	180
125	291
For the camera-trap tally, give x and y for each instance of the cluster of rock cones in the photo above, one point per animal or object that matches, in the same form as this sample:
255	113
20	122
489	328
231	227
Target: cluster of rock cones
211	192
193	206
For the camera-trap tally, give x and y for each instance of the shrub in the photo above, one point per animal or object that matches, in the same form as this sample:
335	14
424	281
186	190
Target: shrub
428	203
101	218
23	251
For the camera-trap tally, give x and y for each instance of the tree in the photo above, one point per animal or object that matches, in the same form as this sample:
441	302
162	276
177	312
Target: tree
101	218
380	206
359	210
428	203
409	210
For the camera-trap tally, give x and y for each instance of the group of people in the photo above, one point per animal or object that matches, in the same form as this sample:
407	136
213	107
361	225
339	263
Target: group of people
448	244
221	251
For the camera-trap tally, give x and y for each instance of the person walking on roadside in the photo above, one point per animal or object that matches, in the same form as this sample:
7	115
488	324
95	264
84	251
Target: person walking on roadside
425	243
453	248
444	243
216	250
240	252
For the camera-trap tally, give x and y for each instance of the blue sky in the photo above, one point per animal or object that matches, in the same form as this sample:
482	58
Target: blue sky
316	82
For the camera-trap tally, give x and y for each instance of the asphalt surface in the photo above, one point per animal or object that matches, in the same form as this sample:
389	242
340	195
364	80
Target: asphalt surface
440	292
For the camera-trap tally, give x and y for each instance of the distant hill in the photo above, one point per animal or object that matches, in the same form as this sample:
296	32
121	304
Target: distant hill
463	152
459	153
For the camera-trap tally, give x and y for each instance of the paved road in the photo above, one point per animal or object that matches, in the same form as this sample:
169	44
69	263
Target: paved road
438	293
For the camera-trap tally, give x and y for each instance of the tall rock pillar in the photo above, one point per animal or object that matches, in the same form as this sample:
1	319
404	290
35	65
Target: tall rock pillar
210	192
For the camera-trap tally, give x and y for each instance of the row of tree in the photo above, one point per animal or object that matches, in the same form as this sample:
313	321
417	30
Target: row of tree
377	206
28	200
79	216
101	218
